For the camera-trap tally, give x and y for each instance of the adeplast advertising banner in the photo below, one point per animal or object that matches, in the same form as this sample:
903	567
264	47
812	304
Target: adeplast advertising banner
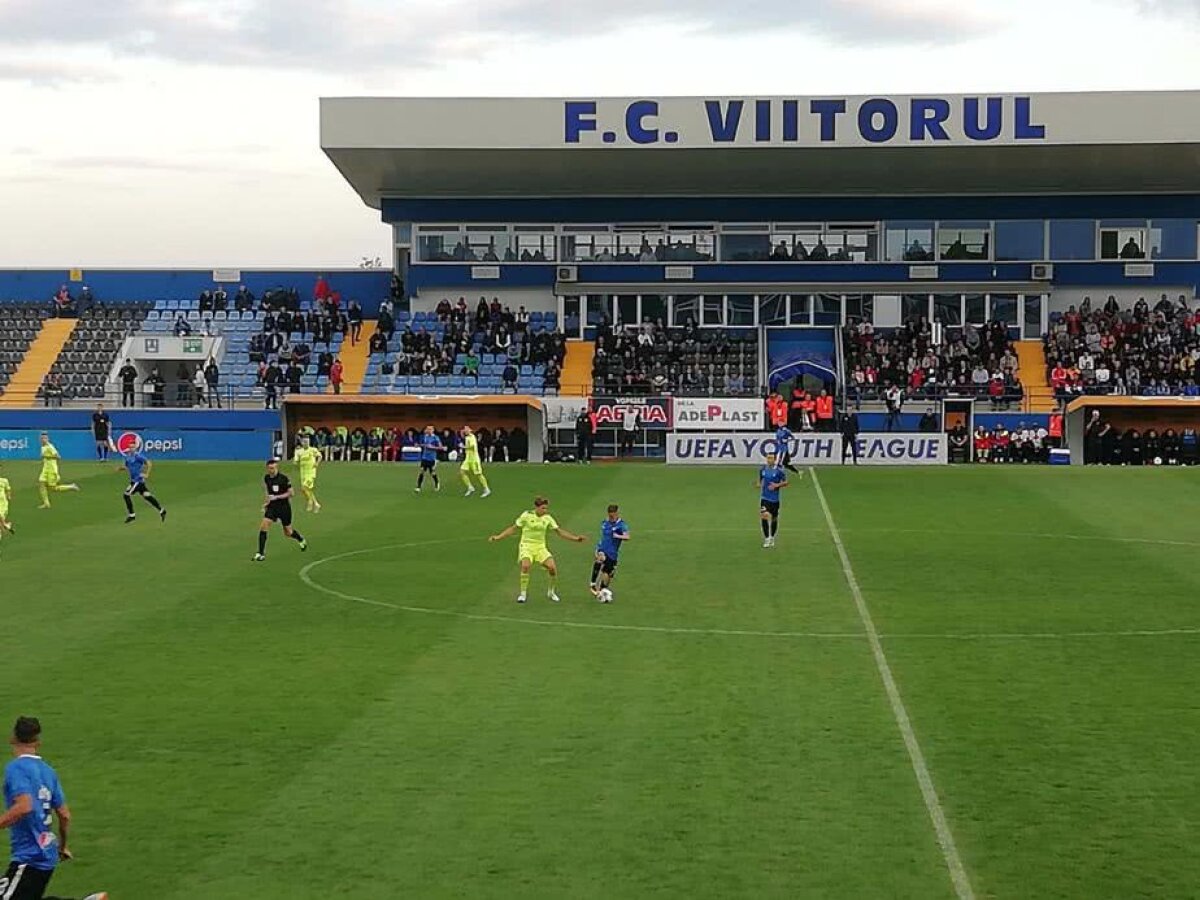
806	449
655	412
718	414
156	443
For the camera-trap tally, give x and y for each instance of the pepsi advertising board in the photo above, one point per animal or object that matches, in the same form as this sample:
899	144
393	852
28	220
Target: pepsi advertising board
155	443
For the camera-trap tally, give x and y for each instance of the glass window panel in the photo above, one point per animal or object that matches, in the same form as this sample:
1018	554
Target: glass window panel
686	309
1004	308
440	246
798	243
599	307
645	246
860	307
1173	239
828	309
713	311
947	309
485	244
1122	243
690	245
1072	239
772	310
853	243
571	316
801	311
909	241
1033	317
913	308
959	241
741	309
534	247
627	310
976	307
598	246
1023	240
745	247
654	308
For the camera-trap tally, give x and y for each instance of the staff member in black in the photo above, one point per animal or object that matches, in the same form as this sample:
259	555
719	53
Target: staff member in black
128	375
101	431
850	436
277	508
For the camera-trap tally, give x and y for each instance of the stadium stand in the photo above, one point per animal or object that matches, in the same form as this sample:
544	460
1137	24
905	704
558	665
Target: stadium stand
1140	351
20	323
83	364
966	361
430	352
690	360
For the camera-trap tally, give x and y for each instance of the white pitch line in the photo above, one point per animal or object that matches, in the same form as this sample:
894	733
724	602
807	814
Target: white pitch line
945	838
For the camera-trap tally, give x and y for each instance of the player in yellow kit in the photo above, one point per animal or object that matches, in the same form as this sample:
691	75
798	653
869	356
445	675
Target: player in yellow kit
5	499
49	480
472	464
532	551
308	458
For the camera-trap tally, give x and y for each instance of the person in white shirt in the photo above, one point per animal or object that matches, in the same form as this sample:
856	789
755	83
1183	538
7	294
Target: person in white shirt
199	383
630	422
1102	373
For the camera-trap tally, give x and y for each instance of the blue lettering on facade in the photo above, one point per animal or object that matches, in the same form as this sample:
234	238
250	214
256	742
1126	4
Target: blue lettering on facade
580	116
635	122
990	129
928	118
1024	129
889	117
762	121
791	121
828	111
723	125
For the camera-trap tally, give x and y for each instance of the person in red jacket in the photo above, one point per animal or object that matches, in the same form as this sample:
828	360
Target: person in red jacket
824	411
777	411
336	376
321	290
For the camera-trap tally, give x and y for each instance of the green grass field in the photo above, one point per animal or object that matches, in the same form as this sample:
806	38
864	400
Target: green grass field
225	730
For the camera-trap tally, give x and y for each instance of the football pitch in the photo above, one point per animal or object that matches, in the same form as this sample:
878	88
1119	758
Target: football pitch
378	718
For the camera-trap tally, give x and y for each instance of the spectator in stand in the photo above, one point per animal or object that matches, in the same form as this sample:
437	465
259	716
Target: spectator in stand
443	310
354	315
928	423
52	390
386	324
182	327
206	301
294	375
243	300
378	342
336	374
510	378
220	299
321	290
324	364
471	365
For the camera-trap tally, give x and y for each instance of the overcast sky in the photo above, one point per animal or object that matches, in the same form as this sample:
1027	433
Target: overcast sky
184	132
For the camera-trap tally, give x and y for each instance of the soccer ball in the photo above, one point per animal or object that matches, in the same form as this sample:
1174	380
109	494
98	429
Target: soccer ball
605	596
453	455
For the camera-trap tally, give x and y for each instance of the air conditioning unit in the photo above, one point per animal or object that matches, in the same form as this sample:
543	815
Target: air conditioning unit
568	273
1042	272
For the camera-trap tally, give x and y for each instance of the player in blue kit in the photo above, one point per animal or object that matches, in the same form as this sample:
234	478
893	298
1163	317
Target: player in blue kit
613	533
431	445
33	799
771	480
783	447
138	467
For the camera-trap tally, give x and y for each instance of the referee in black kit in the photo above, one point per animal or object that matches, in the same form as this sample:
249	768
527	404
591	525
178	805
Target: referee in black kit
101	432
277	508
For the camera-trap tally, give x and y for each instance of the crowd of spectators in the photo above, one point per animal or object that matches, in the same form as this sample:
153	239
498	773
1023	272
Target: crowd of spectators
923	360
660	251
1138	351
464	336
688	360
1024	444
380	444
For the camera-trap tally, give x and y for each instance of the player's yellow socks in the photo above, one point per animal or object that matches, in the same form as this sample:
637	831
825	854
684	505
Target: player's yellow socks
524	582
463	475
45	495
554	583
482	482
59	488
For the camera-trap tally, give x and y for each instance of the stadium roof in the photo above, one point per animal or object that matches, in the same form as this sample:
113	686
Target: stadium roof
1123	143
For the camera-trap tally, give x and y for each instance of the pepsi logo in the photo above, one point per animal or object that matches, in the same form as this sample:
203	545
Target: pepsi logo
129	443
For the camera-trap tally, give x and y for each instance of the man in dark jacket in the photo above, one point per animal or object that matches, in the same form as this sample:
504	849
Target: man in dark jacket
850	436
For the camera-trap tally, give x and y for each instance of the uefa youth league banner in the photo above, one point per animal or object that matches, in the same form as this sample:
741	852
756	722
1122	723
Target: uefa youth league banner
719	414
655	412
808	449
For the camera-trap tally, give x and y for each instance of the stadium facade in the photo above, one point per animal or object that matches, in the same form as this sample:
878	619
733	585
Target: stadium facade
783	211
